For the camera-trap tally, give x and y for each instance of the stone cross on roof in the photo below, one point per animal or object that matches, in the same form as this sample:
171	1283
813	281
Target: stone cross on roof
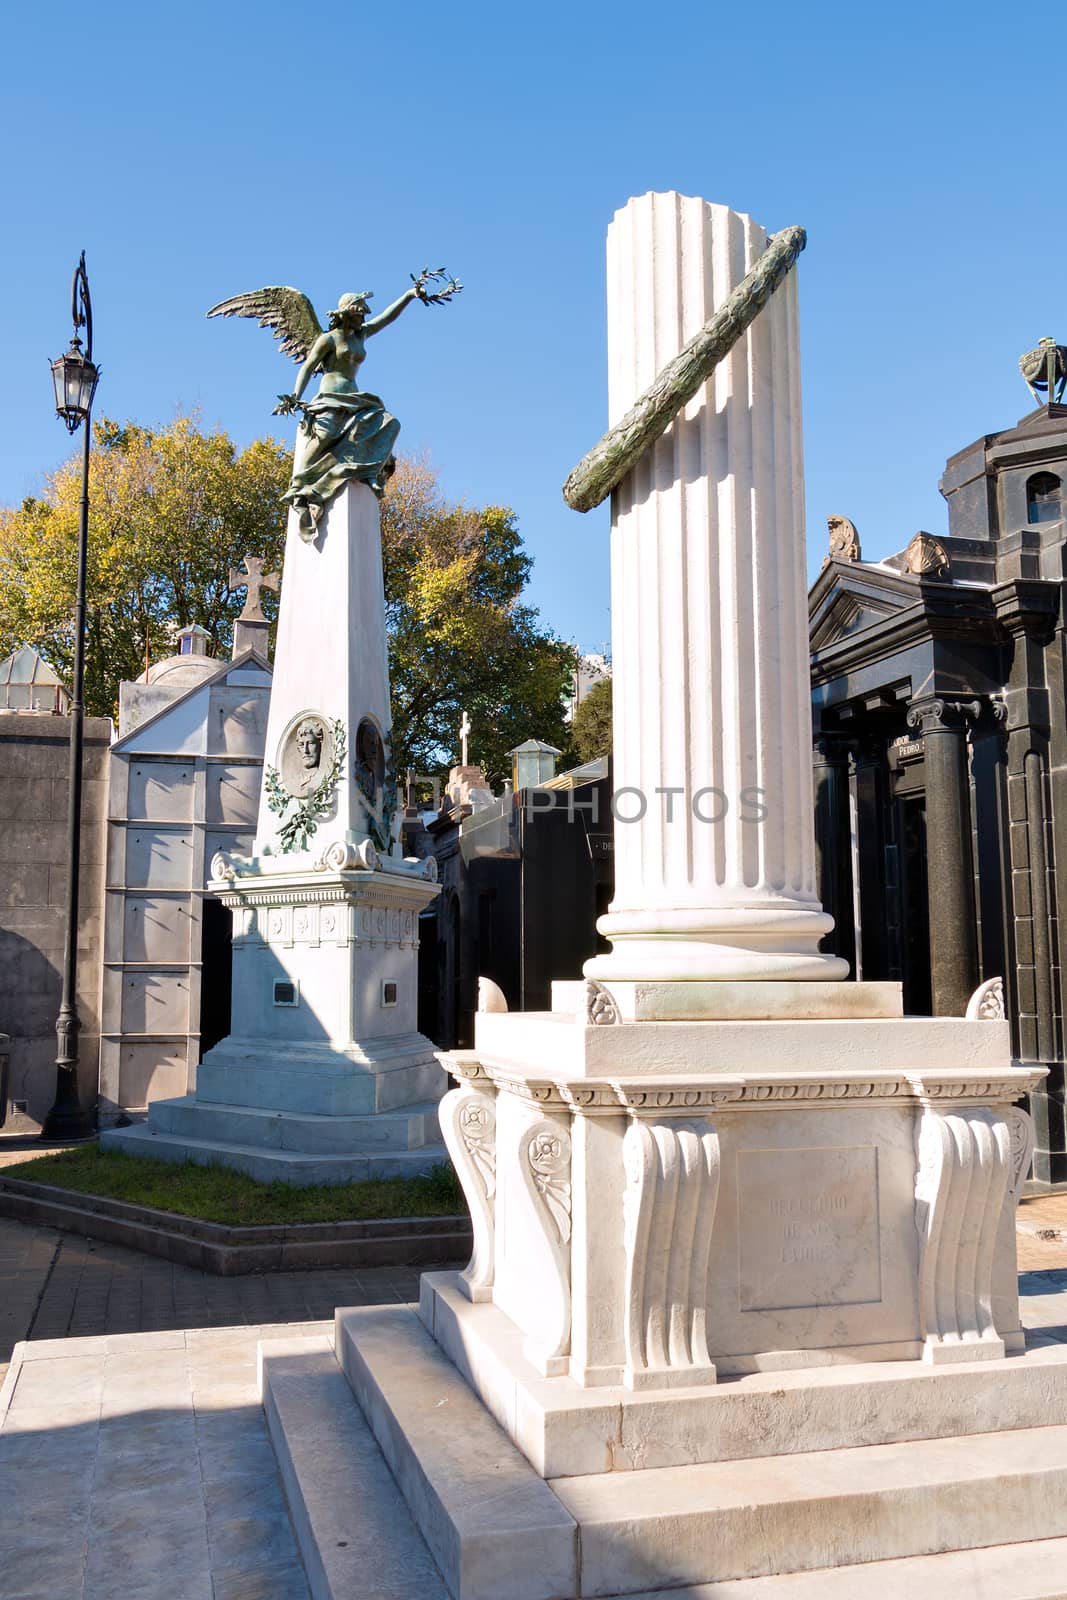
255	580
464	730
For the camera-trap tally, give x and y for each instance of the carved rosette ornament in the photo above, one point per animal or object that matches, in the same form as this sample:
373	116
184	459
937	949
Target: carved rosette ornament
544	1165
844	540
926	557
344	856
600	1008
987	1002
222	865
672	1188
468	1126
965	1164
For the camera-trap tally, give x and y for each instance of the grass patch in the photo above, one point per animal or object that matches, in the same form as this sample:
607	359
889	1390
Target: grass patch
217	1194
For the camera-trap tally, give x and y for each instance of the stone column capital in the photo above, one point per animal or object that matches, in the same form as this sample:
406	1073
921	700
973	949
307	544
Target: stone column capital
933	714
831	748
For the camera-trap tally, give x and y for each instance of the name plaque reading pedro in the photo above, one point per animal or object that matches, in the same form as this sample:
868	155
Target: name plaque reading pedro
808	1233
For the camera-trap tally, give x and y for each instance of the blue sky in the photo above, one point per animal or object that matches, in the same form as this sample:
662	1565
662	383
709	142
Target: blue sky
223	147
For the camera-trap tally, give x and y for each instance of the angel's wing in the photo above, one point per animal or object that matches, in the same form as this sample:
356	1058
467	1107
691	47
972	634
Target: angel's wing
287	311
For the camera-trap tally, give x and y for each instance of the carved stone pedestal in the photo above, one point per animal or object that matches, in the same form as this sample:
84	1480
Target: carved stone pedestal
659	1204
743	1303
325	1077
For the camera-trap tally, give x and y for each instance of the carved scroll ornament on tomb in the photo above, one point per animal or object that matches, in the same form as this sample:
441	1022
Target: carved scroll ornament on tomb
468	1126
672	1188
965	1168
544	1164
648	419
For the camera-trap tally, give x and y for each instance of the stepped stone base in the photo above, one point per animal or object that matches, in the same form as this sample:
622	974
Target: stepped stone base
319	1077
565	1430
407	1128
281	1165
980	1515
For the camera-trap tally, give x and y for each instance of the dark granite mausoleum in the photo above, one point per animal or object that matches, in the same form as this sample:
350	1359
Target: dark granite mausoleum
940	712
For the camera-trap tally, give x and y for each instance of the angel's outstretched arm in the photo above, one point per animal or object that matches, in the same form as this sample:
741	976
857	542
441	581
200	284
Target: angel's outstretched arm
390	314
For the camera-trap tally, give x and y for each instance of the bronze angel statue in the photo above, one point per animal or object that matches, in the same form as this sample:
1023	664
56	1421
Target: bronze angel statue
347	434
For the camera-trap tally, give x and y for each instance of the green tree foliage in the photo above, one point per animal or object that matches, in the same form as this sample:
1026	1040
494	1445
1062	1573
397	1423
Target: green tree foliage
460	636
171	511
591	729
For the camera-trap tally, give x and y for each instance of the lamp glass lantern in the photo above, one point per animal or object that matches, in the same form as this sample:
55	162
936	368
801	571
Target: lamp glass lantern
75	378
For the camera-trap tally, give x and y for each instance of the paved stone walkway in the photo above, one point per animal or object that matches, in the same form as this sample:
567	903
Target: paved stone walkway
1041	1233
135	1420
138	1466
57	1285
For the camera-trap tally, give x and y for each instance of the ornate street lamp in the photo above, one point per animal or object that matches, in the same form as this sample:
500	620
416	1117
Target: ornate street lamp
75	378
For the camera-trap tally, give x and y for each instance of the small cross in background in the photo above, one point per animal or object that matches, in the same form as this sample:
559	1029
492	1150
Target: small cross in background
255	580
464	730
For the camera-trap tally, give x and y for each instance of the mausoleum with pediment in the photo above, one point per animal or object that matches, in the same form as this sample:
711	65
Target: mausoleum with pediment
940	724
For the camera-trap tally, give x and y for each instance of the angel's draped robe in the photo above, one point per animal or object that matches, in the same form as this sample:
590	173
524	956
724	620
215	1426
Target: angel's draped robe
348	437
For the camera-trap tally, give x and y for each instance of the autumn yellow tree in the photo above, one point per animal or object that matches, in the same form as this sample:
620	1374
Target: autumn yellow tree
171	511
460	635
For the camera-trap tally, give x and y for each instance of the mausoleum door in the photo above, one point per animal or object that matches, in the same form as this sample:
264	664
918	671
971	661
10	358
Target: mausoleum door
914	934
216	954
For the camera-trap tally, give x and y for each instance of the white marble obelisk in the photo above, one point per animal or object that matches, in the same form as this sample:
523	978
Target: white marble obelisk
324	1076
714	830
331	660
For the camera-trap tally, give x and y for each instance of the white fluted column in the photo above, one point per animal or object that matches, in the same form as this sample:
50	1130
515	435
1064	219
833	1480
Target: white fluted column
715	877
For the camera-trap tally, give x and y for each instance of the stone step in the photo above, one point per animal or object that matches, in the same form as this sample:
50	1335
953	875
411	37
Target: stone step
311	1133
342	1496
493	1525
674	1526
1033	1570
269	1166
645	1531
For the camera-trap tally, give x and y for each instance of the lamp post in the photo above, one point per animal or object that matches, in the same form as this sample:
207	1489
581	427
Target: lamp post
75	378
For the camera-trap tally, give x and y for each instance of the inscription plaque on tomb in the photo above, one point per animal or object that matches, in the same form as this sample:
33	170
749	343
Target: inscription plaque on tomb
808	1227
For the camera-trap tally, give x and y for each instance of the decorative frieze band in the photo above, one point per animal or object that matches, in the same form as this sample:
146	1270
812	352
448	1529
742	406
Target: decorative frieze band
599	1095
334	918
